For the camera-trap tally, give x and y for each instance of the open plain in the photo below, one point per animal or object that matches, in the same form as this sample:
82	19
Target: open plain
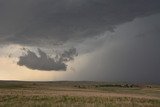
77	94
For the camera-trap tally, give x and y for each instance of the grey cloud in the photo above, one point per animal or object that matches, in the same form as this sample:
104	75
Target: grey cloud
132	56
126	53
124	60
36	22
44	62
68	55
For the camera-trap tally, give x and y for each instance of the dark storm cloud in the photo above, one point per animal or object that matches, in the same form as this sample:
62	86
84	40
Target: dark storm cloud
128	51
34	22
132	56
44	62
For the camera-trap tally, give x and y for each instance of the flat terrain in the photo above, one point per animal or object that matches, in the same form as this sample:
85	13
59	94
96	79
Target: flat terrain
77	94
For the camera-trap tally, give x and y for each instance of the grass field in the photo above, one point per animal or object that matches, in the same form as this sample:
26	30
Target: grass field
77	94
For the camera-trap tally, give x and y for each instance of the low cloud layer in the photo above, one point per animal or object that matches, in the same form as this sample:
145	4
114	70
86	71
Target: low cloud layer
44	62
53	22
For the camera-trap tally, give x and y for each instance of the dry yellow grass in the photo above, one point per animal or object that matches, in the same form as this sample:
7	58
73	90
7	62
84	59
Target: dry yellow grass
80	94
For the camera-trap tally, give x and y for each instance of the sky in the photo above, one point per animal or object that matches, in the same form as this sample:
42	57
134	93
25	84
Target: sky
80	40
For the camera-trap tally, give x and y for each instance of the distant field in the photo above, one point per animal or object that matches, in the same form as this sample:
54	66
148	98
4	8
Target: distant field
77	94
